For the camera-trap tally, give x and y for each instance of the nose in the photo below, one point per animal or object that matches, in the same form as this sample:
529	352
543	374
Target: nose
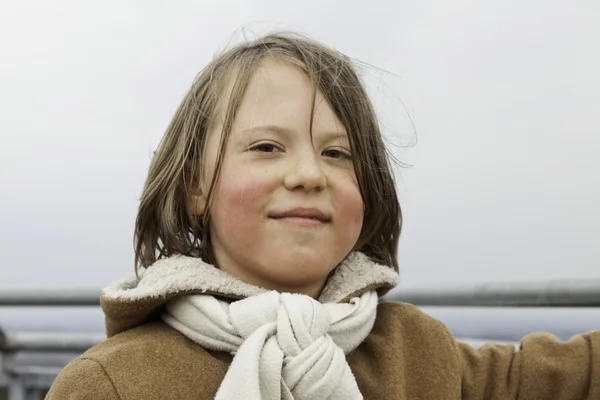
305	173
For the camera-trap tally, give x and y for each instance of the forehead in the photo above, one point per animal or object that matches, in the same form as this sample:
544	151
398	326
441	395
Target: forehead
281	94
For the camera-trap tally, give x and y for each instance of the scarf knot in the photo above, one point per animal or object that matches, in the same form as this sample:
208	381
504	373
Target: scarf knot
285	346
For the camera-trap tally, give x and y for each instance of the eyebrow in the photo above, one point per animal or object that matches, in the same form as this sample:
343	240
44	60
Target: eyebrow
281	130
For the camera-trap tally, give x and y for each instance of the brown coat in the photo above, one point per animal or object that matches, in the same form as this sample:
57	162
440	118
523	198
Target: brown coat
407	355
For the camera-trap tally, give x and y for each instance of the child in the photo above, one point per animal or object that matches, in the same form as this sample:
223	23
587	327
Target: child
268	228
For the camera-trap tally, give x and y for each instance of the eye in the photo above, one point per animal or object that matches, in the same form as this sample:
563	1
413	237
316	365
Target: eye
336	154
265	148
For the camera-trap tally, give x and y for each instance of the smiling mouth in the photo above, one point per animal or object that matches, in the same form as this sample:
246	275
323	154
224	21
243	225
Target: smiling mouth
303	222
303	217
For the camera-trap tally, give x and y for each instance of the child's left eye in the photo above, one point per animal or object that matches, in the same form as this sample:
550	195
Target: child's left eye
265	148
334	153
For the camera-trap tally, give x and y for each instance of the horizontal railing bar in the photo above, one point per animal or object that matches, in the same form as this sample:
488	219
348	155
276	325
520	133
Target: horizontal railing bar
32	381
517	294
50	298
521	294
49	341
33	370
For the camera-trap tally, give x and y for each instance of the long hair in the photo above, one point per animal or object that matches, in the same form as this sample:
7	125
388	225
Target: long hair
163	225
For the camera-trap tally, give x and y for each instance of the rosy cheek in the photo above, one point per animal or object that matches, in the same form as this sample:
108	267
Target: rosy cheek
351	205
241	197
350	194
354	207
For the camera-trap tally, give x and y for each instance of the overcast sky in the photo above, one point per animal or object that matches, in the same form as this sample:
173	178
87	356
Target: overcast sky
504	95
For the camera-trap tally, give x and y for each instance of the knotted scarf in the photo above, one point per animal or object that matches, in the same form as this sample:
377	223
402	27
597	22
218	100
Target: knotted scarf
285	346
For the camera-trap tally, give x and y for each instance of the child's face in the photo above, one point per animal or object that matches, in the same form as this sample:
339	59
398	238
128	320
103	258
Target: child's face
272	167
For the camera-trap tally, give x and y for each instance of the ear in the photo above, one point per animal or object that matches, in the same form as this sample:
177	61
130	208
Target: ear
196	204
195	198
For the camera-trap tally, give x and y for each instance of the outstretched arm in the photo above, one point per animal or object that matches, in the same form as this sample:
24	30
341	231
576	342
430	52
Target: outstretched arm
543	368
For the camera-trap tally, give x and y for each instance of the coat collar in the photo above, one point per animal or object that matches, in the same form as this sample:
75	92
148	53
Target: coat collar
129	302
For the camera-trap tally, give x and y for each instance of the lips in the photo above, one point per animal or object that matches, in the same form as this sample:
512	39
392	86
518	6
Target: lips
305	213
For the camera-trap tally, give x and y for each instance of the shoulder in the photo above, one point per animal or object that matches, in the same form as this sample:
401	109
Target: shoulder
144	362
407	352
403	328
402	318
83	378
152	340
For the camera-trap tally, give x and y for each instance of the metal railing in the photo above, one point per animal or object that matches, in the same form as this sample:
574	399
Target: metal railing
535	294
29	382
50	298
49	341
521	294
26	382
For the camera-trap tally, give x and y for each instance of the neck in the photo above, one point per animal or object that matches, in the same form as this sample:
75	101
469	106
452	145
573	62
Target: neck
312	289
286	275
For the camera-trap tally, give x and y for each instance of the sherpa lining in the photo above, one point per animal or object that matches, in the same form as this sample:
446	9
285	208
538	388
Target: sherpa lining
130	302
185	274
179	274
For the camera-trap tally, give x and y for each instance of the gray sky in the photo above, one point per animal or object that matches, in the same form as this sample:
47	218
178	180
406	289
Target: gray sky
505	98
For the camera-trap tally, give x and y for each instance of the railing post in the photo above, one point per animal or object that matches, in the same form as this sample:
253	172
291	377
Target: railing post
35	394
16	390
16	387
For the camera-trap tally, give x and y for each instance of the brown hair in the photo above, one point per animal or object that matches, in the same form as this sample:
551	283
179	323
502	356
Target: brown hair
164	227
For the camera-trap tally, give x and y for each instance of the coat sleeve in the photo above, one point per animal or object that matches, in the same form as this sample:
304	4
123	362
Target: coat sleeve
83	379
543	368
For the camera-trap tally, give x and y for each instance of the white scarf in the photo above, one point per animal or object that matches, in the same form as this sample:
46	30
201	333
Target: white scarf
285	346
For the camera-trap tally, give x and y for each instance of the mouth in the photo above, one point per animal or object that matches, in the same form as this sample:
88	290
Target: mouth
305	217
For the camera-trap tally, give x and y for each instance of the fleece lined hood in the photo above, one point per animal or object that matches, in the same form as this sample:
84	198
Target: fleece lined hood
130	302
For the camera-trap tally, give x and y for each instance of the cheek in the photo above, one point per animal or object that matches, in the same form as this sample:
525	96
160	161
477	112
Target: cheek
351	208
239	200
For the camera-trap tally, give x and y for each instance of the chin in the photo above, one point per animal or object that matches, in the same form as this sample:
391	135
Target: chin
302	269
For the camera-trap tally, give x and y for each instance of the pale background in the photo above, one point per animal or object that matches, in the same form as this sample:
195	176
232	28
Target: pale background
504	95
